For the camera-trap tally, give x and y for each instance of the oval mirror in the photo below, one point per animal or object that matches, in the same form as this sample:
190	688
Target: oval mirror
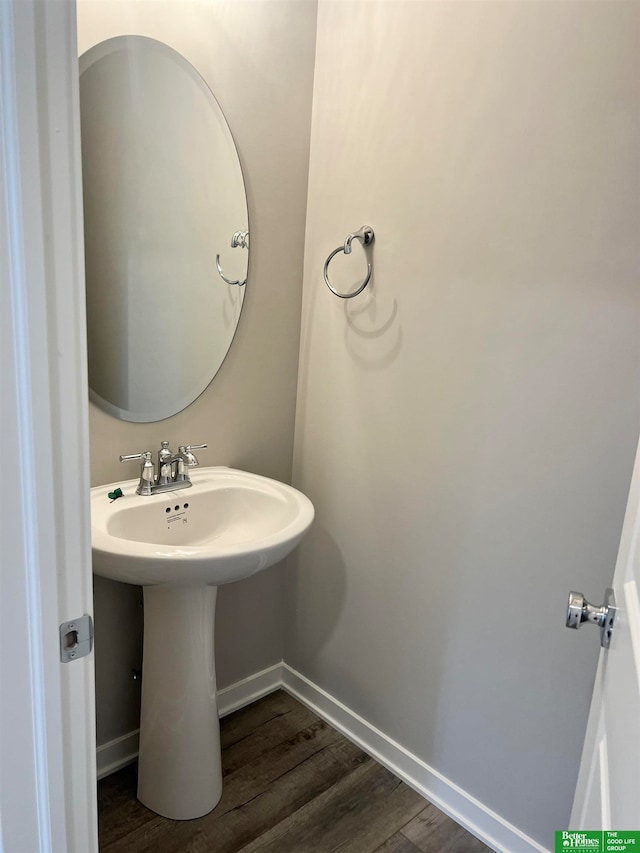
166	228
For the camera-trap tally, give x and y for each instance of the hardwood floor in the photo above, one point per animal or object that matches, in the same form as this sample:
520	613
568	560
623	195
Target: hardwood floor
292	784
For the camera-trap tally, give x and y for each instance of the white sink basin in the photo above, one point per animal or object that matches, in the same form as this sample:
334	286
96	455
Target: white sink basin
180	545
227	526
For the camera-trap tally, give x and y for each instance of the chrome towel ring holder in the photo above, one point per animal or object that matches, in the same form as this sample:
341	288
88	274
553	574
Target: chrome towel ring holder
239	240
365	235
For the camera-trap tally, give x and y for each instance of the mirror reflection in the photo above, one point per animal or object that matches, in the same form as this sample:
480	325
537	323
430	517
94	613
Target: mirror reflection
166	228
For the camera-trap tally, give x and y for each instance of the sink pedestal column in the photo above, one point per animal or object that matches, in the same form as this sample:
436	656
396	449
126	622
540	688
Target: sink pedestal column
180	773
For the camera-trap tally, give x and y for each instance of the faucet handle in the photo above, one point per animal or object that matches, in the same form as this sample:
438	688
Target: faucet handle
146	472
189	457
145	456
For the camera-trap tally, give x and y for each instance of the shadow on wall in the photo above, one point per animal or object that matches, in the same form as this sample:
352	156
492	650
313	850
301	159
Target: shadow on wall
118	619
327	596
372	336
248	632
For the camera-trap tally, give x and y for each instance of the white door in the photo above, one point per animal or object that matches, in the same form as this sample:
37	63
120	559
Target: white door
608	789
47	718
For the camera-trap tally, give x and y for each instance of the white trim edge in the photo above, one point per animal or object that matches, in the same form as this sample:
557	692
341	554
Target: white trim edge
470	813
496	832
249	690
117	753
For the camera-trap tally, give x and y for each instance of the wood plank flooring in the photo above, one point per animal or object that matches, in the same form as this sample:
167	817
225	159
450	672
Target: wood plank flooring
292	784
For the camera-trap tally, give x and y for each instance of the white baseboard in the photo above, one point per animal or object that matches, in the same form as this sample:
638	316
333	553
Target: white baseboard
249	690
470	813
117	753
496	832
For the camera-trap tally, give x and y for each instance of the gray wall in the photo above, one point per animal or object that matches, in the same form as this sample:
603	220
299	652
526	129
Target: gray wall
257	57
466	428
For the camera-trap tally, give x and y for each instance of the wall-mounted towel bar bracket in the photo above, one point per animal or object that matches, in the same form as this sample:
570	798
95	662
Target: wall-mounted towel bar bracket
366	236
240	240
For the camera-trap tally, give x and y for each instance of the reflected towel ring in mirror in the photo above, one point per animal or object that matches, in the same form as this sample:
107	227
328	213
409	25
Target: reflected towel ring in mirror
240	240
365	235
139	101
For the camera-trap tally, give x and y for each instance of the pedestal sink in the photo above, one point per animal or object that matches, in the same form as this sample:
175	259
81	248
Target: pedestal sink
180	546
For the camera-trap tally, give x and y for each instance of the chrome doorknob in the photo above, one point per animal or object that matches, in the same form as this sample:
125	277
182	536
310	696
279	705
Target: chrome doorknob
579	610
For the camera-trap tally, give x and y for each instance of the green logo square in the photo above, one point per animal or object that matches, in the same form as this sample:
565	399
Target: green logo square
621	842
569	839
607	841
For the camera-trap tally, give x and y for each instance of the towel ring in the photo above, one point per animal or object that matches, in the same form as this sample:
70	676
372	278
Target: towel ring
239	240
223	276
365	235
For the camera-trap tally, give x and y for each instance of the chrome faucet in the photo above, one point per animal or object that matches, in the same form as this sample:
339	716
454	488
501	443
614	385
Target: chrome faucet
172	473
164	463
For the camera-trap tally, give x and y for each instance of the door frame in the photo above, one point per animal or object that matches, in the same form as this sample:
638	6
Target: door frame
47	708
